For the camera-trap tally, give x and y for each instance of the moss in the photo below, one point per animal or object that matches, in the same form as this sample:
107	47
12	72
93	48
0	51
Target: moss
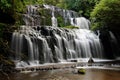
81	71
70	27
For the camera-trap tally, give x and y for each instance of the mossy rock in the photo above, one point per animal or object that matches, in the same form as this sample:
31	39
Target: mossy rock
70	27
81	71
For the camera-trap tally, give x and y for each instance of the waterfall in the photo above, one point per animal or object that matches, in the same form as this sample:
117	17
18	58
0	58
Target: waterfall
82	22
31	18
54	20
47	44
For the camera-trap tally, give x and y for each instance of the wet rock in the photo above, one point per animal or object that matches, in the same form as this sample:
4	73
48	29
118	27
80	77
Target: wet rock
81	71
91	60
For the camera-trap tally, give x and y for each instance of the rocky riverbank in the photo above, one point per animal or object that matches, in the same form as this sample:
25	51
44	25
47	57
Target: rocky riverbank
113	65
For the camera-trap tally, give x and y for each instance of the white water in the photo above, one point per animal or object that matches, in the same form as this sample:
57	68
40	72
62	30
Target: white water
54	20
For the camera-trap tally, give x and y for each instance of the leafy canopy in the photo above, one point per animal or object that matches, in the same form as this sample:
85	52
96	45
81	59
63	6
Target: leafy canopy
106	14
84	7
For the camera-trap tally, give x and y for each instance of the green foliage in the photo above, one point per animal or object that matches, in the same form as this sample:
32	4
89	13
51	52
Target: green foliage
45	16
70	27
18	6
11	6
9	10
60	21
51	2
28	2
62	4
106	14
84	7
39	2
5	5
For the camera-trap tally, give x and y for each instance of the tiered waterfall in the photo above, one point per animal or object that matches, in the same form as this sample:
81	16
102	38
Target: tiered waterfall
34	44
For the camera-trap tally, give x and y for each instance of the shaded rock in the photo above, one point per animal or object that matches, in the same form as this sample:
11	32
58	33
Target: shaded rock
91	60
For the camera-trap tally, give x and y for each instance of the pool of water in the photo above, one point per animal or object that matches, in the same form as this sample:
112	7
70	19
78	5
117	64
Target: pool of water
64	74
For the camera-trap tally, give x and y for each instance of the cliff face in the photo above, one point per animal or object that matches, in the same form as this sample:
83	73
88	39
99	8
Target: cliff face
110	43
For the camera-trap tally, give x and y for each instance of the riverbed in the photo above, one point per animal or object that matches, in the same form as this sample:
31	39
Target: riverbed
65	74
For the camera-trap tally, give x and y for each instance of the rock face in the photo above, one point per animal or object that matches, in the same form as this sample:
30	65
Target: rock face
110	44
39	42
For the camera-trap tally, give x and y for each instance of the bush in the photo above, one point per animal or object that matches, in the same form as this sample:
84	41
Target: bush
106	14
84	7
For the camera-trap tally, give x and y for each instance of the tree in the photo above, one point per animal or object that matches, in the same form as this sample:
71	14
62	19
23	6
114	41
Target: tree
84	7
106	14
62	4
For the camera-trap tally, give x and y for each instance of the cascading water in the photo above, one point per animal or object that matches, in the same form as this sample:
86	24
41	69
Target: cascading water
32	18
81	22
52	44
54	20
